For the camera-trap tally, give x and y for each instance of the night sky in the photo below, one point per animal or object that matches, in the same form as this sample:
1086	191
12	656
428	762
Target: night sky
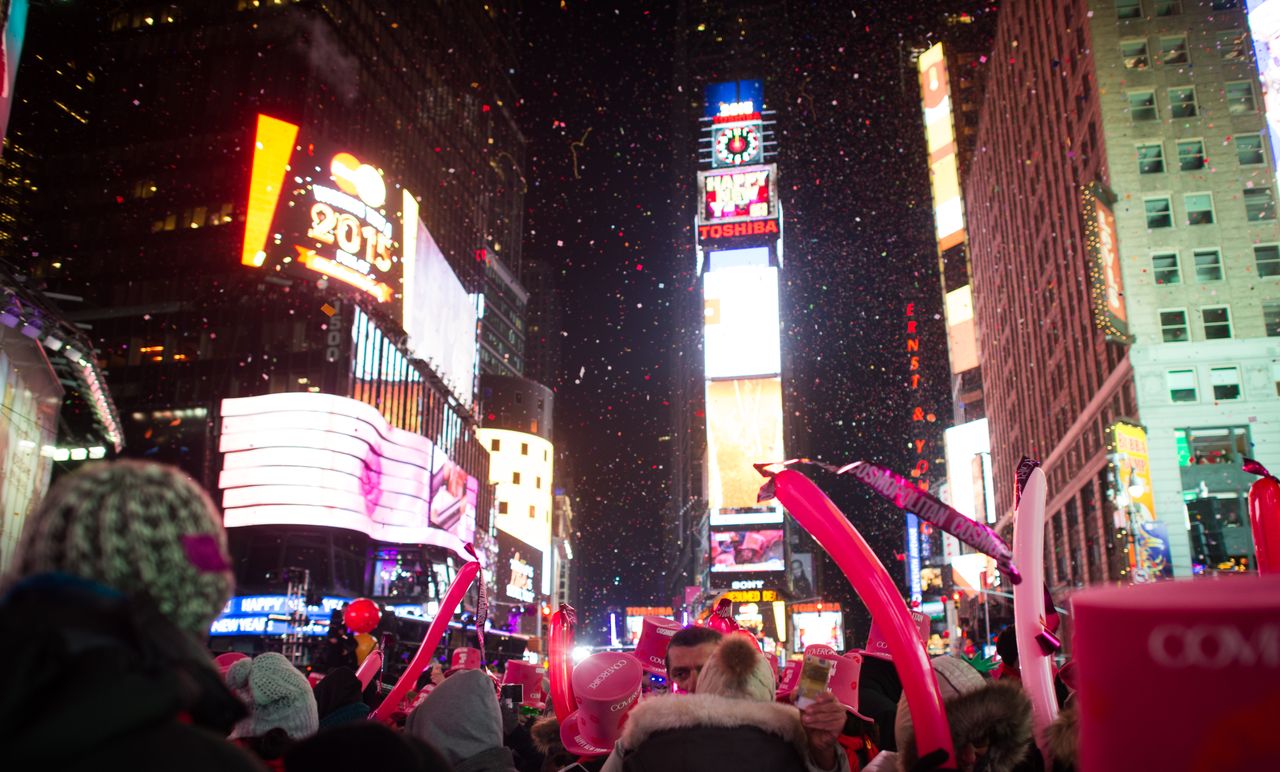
859	246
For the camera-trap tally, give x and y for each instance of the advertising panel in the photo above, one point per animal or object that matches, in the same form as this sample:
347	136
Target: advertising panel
1264	26
734	100
30	401
737	195
748	551
440	317
823	628
521	465
317	210
1154	558
15	31
940	137
1133	471
744	427
635	620
914	587
272	615
306	458
723	259
519	570
962	332
969	478
741	326
1107	284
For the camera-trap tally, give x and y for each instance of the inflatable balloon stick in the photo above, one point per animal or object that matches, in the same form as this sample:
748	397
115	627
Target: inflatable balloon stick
461	583
826	523
559	650
1036	642
369	668
1264	517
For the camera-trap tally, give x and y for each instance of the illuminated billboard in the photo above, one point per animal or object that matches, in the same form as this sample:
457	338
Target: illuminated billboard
521	465
962	332
519	570
317	210
940	139
315	459
1264	26
748	551
741	332
440	317
15	31
737	195
1135	503
744	427
271	615
737	144
822	628
1107	283
969	477
734	100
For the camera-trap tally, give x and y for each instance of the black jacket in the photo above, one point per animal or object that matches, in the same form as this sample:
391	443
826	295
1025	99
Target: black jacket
98	681
878	696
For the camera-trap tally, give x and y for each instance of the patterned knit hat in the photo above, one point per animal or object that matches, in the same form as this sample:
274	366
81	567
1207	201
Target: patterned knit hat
140	528
277	694
737	669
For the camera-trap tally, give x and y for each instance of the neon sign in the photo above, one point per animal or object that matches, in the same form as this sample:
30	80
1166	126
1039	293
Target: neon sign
733	230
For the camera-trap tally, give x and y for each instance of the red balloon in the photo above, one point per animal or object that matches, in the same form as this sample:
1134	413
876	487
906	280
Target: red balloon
561	673
1264	518
361	615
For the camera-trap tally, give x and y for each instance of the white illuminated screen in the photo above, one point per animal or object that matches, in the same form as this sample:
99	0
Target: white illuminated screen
744	427
318	459
741	322
969	478
1264	24
440	317
822	628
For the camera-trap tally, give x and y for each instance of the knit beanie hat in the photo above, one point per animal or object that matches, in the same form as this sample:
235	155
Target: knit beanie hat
277	694
140	528
955	678
737	669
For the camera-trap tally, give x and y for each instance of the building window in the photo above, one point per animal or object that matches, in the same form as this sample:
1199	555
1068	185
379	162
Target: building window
537	483
1159	212
1173	326
1267	258
1259	204
1173	49
1223	5
1271	318
502	507
1128	9
524	448
1182	102
1165	267
1240	98
1142	106
1135	54
1233	45
515	478
1217	322
1208	265
1151	158
1249	149
531	512
495	444
1191	155
1168	7
1182	385
1275	376
1212	446
1225	382
1199	208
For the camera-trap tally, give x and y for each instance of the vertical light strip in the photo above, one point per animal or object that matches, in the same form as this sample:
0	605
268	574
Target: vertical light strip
273	146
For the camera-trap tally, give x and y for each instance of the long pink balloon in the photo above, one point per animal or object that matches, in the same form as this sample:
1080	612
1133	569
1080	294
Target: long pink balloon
559	651
461	583
369	668
1028	607
826	523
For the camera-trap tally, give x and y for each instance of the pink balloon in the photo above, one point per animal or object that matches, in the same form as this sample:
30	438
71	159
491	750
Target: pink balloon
559	648
369	668
1034	661
826	523
461	583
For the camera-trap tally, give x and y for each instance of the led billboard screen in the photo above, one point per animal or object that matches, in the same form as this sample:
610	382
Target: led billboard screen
737	144
1107	283
734	99
1264	24
735	195
822	628
744	427
962	332
748	551
440	317
317	459
940	138
741	328
519	570
969	477
521	466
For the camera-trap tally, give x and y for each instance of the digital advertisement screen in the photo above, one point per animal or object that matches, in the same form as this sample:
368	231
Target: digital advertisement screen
30	400
1264	26
969	477
272	614
822	628
743	551
734	99
521	467
744	427
316	210
962	332
440	317
733	195
944	173
741	326
519	570
305	458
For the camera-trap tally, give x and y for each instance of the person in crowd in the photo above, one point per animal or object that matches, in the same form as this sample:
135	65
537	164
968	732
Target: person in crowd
1063	741
731	722
687	654
462	720
878	694
338	648
546	738
339	699
363	745
282	706
1007	648
118	575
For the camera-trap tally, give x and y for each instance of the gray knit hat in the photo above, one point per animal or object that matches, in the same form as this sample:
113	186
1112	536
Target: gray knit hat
140	528
277	694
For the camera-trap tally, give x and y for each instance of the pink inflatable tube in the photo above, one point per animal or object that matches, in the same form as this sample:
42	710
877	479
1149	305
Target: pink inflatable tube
1035	643
461	583
824	521
369	668
559	652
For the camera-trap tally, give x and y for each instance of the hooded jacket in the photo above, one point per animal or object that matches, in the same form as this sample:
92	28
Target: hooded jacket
96	680
996	717
462	720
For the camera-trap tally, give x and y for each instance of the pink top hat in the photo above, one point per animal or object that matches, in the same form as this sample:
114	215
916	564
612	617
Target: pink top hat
878	647
655	637
790	677
466	659
1163	651
844	678
530	677
607	686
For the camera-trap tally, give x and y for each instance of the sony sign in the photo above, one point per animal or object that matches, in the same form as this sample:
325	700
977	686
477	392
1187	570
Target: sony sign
748	584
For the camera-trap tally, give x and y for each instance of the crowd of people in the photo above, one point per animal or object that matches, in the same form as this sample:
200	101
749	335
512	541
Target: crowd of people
124	566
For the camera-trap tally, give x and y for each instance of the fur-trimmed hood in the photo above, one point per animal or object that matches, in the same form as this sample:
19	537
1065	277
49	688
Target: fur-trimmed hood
681	711
997	717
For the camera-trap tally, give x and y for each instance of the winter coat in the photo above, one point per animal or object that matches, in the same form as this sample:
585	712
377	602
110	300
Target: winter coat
996	718
462	720
878	696
683	733
95	680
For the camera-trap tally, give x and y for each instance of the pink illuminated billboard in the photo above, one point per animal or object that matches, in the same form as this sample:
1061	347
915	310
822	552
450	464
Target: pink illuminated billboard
323	460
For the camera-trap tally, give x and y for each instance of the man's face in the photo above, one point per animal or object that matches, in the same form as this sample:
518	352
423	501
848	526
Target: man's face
686	664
